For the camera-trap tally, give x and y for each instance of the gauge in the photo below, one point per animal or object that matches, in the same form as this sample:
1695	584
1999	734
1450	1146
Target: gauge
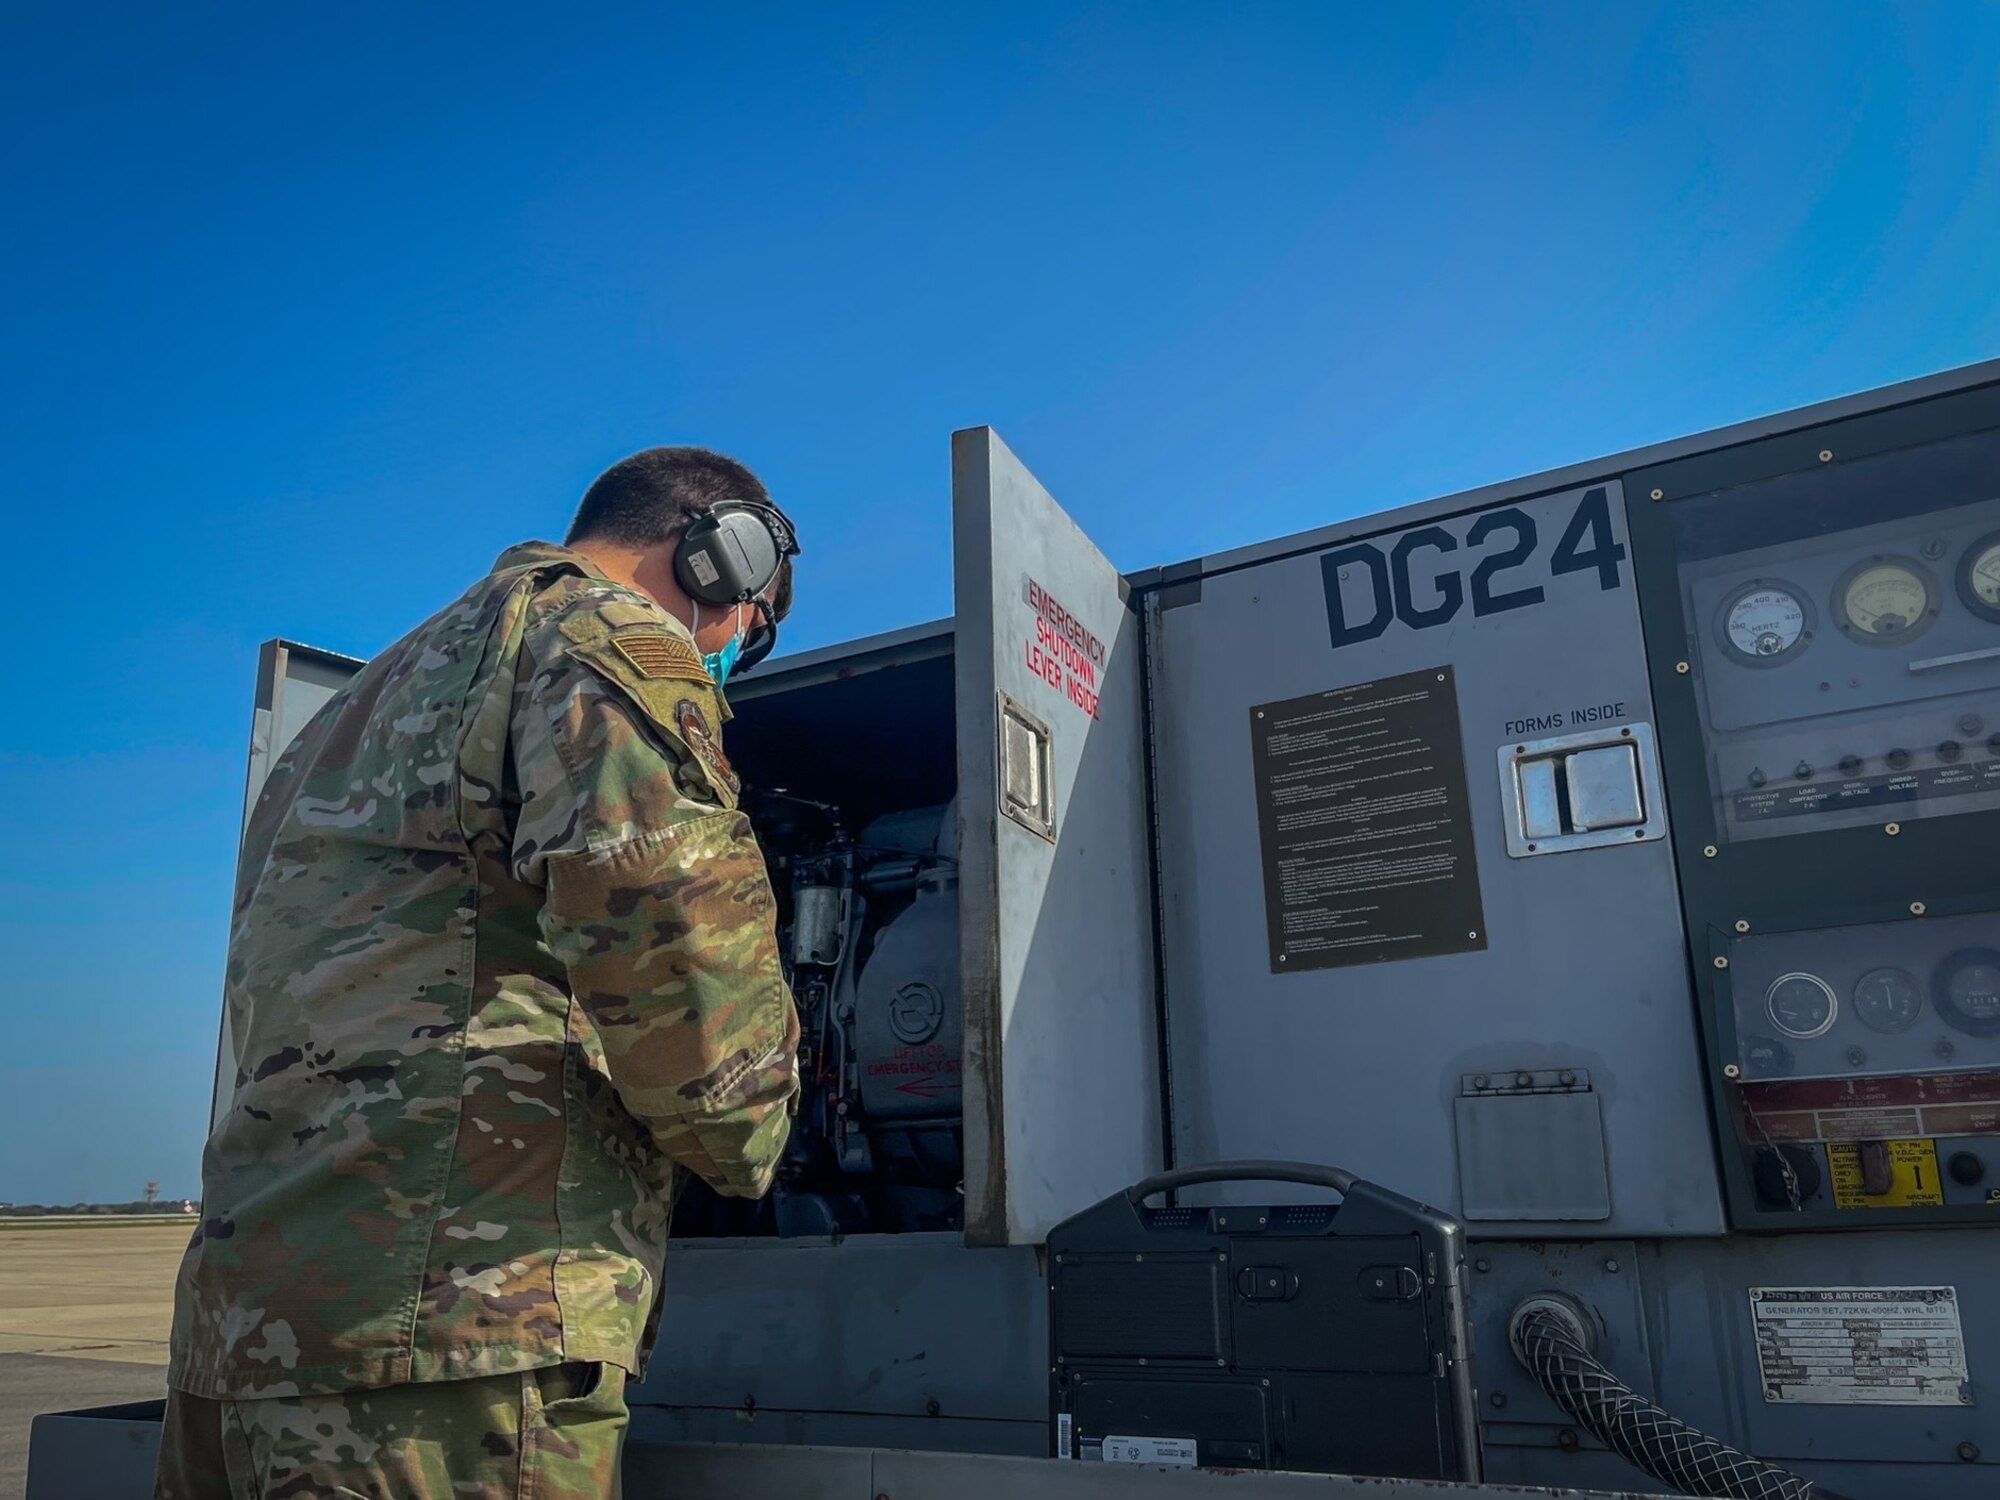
1885	601
1966	990
1764	622
1887	1000
1979	577
1801	1005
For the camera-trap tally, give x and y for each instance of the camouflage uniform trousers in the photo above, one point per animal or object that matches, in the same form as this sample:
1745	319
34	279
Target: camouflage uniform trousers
547	1434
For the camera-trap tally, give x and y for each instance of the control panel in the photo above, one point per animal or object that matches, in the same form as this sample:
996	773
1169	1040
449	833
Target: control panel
1822	616
1849	678
1867	1066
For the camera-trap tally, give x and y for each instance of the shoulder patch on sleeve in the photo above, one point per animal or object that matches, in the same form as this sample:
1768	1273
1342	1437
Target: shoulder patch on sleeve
700	737
660	675
655	653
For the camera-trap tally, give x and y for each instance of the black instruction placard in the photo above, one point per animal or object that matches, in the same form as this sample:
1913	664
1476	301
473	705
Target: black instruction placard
1366	829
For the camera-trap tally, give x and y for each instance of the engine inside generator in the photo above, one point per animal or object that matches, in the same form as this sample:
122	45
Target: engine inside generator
868	927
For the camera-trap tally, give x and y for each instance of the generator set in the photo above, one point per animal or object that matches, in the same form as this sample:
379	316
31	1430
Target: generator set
1505	989
868	933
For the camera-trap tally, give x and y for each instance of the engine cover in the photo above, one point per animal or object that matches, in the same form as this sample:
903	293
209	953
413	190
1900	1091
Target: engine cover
907	1015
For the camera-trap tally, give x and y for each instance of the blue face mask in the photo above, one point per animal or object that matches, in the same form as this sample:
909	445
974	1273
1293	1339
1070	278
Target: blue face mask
720	662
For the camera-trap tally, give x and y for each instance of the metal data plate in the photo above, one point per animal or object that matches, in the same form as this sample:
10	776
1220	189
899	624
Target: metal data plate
1582	791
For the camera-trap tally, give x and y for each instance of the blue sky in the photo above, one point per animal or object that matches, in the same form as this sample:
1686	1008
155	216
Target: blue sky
310	311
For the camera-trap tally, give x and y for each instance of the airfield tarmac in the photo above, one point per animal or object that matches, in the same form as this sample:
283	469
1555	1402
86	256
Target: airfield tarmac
85	1308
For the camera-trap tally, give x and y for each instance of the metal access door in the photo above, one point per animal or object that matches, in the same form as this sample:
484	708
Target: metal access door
1420	911
1062	1102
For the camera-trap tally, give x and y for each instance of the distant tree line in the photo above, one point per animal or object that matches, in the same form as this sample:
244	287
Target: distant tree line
170	1207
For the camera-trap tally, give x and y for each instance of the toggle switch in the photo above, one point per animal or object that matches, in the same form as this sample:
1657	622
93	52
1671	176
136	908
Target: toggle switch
1581	791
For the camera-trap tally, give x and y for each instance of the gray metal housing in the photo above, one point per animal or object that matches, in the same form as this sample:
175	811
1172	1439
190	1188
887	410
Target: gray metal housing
1121	1008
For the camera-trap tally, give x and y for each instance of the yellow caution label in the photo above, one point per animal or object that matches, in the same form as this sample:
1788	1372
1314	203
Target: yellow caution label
1905	1171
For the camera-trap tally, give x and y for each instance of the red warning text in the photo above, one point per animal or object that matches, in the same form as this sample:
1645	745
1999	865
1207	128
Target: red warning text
1062	650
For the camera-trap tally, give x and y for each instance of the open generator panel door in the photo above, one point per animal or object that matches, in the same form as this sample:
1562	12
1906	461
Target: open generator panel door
1062	1095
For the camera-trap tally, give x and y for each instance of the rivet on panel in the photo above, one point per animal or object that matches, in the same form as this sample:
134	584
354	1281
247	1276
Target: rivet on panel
1721	962
1708	851
1659	494
1730	1070
1916	908
1681	667
1892	829
1826	455
1741	925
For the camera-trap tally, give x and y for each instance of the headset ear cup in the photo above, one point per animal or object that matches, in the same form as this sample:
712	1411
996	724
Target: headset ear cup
726	556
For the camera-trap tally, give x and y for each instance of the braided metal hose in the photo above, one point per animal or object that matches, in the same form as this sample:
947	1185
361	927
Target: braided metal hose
1553	1341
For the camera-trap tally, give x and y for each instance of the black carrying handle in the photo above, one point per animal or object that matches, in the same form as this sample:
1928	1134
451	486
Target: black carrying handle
1339	1179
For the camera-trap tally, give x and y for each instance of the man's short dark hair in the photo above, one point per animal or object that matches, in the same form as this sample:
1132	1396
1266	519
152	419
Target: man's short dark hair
648	498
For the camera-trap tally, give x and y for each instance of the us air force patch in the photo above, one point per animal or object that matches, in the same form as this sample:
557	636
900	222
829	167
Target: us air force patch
701	739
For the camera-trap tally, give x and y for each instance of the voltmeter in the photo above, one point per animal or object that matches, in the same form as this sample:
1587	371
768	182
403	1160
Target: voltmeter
1885	601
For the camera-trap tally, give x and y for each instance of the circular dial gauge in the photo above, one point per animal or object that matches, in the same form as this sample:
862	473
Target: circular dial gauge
1765	622
1887	1000
1979	577
1801	1005
1885	601
1966	990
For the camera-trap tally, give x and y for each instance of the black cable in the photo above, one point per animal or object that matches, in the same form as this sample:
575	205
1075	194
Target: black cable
1644	1433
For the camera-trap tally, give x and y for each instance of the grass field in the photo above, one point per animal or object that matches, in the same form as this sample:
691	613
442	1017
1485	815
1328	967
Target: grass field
85	1307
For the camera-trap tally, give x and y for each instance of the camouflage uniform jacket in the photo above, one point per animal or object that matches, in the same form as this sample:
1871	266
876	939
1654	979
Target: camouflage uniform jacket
502	963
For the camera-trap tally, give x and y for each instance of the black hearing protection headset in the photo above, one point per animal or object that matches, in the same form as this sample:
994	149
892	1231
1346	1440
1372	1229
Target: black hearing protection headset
729	554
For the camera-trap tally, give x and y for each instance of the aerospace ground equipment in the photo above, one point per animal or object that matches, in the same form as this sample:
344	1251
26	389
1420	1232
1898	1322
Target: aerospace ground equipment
868	929
1328	1337
1605	856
